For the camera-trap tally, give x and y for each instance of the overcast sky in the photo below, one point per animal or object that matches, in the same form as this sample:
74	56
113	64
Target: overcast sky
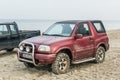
60	9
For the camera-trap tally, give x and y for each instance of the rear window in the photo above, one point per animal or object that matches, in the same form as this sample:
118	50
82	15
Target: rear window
99	27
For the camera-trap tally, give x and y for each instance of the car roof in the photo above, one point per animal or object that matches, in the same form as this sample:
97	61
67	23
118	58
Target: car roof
5	23
77	21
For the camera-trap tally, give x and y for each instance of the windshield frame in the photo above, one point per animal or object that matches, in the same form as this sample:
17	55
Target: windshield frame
45	34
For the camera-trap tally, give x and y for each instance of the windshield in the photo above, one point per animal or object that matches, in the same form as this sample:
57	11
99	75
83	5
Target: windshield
60	29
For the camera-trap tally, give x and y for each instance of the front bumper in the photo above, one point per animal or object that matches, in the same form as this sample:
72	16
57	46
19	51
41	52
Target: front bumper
39	59
45	58
35	58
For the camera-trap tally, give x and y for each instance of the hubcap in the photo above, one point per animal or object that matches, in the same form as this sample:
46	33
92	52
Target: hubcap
62	64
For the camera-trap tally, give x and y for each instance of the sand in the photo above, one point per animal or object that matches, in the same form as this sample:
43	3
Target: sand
12	69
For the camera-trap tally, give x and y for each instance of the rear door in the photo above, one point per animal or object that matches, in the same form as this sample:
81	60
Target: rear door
84	46
4	37
14	35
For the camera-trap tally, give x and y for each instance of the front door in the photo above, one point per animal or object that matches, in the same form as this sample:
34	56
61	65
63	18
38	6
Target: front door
4	37
14	35
84	46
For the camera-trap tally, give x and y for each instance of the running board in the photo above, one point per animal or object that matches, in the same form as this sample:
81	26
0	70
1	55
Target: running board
83	60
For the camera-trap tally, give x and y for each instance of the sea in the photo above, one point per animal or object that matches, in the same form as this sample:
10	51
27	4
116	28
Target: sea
42	25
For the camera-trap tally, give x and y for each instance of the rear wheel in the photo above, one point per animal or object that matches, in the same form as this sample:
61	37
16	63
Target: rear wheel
29	65
100	55
61	64
10	49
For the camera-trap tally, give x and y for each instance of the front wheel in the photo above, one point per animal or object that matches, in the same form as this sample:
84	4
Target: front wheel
100	55
61	64
10	49
29	65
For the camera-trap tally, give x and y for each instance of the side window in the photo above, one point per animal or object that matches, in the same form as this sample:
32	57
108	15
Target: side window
13	29
99	27
84	29
3	30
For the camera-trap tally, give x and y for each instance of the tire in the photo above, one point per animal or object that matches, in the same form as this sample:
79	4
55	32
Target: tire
29	65
11	49
100	55
61	64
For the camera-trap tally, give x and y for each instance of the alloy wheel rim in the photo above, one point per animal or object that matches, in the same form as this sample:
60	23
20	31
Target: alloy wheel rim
62	64
100	55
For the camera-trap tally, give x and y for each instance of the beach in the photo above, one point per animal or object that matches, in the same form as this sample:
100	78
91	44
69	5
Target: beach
12	69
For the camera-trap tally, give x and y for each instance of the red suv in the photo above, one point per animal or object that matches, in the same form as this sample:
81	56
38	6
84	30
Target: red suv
65	43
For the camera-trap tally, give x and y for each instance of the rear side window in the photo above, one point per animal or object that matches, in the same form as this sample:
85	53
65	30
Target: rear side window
99	27
13	29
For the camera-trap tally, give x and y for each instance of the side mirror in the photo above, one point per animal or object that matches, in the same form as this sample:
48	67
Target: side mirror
42	34
78	36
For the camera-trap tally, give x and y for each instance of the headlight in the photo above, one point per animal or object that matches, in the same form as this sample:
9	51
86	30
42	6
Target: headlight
27	49
21	48
44	48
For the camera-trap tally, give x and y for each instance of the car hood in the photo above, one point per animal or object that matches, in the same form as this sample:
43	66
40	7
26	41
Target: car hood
46	39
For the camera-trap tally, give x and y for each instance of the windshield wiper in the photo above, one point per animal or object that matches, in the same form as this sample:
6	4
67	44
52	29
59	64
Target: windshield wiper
56	35
46	34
